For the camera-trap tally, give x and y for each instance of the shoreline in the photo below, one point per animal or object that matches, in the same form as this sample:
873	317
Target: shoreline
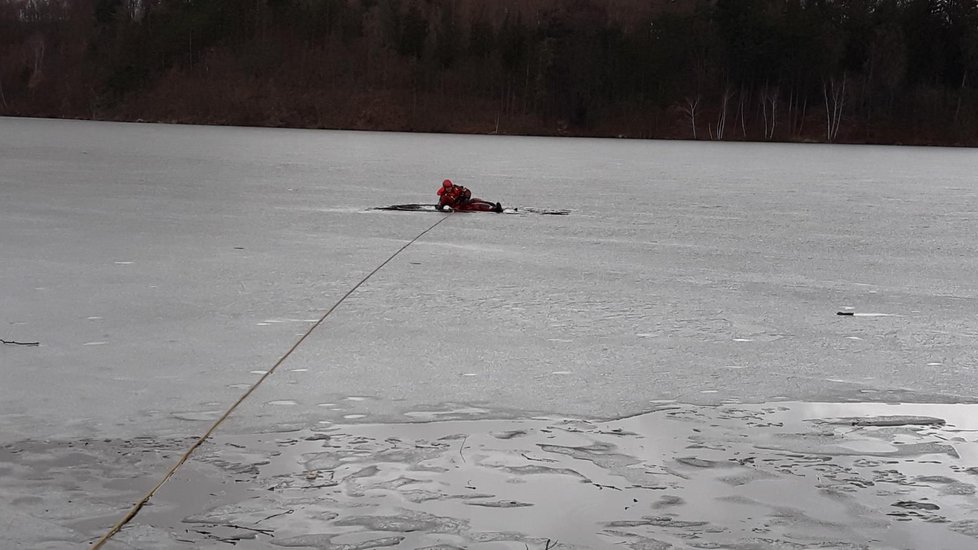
465	132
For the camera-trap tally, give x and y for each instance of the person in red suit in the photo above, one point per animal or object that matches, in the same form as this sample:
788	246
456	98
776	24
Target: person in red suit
460	199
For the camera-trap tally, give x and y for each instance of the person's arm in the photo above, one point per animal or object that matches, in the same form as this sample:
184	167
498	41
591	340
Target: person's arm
444	200
441	198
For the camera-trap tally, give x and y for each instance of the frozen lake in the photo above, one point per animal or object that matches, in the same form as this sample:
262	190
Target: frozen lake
158	266
163	268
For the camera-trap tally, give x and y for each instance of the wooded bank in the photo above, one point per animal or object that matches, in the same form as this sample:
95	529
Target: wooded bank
861	71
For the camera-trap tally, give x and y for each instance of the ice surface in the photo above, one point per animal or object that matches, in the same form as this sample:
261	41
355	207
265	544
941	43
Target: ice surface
194	257
164	269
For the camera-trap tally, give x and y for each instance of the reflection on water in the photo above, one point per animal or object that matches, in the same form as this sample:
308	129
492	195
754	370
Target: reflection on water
784	475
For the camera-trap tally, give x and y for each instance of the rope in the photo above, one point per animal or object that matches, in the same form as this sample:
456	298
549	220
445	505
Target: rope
142	502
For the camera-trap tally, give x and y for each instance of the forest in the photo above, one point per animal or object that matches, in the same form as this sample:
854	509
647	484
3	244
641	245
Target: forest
847	71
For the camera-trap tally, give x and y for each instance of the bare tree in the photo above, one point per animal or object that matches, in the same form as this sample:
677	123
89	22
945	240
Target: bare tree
691	108
722	117
970	55
742	98
797	109
801	118
38	47
835	98
957	110
769	102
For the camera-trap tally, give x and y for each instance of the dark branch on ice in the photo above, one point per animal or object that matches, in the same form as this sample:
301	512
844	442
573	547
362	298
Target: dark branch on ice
15	343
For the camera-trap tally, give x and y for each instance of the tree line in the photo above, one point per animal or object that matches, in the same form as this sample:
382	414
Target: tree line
876	71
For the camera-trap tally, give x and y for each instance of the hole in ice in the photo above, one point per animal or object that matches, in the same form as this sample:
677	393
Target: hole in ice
561	372
354	416
259	372
196	415
299	370
356	398
326	405
123	263
743	340
99	343
283	402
